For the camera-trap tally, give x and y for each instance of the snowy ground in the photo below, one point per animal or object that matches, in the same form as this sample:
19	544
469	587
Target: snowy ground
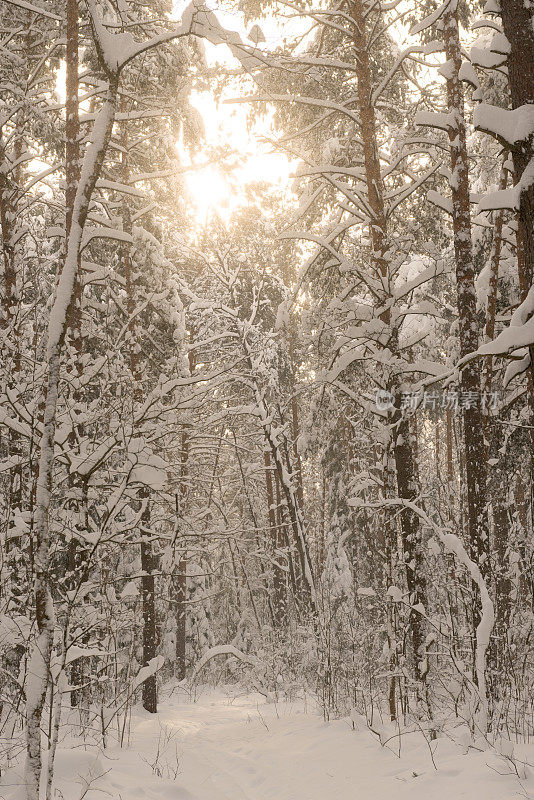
224	747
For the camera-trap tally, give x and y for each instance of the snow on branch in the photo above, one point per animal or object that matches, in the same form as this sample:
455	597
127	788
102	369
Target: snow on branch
91	233
454	545
519	333
445	203
438	200
206	25
468	74
510	128
409	188
509	198
409	51
427	22
342	108
118	49
435	119
119	187
426	275
486	58
230	650
34	9
153	666
225	650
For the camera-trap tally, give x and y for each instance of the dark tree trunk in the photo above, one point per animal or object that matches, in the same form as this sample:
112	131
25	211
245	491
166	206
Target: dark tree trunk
518	25
74	337
411	539
399	448
473	427
180	595
149	690
149	687
277	544
180	578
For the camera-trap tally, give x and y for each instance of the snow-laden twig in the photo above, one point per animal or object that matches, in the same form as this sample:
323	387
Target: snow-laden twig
454	545
230	650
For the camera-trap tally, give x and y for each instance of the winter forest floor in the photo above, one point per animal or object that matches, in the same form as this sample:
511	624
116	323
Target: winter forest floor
227	746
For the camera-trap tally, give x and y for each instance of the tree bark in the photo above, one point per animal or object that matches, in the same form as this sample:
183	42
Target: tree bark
74	333
57	327
277	544
411	540
399	447
148	588
149	686
497	478
518	25
473	427
180	578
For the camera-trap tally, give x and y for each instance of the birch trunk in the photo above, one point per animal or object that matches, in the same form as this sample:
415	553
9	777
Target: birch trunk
41	649
74	334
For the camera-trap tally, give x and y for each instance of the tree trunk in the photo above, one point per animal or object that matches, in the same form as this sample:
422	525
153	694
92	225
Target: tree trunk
280	601
493	292
475	451
398	451
74	333
180	578
16	549
518	25
149	686
148	588
180	596
57	326
497	478
411	541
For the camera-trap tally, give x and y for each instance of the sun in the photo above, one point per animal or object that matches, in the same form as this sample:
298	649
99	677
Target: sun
211	193
222	190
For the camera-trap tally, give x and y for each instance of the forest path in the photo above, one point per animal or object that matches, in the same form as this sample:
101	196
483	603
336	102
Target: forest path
241	748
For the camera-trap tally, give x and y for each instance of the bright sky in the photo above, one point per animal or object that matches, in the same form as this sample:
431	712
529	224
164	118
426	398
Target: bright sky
213	189
216	189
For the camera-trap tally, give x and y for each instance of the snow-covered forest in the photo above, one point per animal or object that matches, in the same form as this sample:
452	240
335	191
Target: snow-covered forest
266	399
